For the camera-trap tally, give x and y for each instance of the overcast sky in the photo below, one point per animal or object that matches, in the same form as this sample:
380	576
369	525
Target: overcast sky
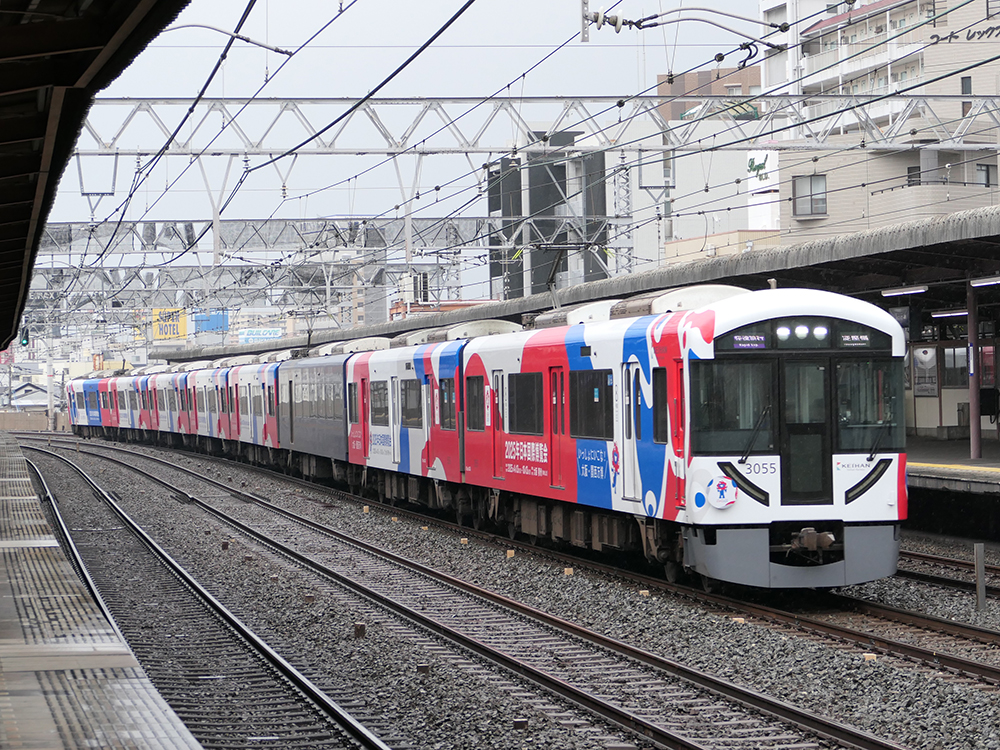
492	44
490	47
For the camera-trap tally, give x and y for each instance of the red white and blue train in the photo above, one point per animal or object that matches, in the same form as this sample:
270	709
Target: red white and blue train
751	437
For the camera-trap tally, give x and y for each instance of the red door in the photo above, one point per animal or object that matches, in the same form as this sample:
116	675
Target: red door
499	438
364	416
557	424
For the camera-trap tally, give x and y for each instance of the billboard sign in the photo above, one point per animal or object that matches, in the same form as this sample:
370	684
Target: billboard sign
169	323
255	335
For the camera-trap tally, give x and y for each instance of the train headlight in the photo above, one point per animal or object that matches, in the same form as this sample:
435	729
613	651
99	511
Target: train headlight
783	333
801	332
821	332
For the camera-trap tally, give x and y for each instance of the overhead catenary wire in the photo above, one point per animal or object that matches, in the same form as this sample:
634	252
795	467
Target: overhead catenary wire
921	84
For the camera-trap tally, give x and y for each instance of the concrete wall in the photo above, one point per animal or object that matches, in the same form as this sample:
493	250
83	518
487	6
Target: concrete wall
27	420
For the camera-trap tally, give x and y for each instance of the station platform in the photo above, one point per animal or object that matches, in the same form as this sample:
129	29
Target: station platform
945	465
66	678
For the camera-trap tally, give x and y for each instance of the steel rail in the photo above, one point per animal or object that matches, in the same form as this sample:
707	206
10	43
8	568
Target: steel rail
355	730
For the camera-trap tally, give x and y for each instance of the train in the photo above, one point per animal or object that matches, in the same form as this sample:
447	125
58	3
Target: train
750	437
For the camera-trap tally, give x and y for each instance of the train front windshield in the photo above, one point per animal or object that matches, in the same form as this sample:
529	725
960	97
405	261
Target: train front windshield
804	389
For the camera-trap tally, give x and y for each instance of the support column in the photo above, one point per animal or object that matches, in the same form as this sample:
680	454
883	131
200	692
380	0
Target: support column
975	421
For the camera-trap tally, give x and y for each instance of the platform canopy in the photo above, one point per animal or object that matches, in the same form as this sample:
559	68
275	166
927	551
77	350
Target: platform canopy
54	56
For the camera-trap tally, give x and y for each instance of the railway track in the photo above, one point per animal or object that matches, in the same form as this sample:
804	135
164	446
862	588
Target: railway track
257	697
664	701
927	568
934	644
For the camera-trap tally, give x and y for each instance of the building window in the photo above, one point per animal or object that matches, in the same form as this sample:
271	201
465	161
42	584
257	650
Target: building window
986	175
446	398
526	403
992	8
912	176
475	403
734	90
966	85
956	367
591	404
411	396
380	403
809	195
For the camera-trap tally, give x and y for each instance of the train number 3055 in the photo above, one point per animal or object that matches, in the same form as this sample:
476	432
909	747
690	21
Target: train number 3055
761	467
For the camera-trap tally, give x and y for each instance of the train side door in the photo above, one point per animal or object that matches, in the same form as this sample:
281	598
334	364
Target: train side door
499	439
364	416
394	418
806	474
557	423
632	421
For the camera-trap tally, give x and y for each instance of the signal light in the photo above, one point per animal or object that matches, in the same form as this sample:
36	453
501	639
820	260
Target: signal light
24	337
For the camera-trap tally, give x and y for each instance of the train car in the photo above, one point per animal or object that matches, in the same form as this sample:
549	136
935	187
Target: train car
85	411
757	439
408	421
206	401
312	421
257	387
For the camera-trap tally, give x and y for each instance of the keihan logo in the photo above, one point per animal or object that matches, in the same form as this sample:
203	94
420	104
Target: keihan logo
757	169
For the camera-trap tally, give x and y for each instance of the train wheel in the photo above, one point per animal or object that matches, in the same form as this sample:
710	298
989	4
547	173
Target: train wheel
671	571
511	529
709	585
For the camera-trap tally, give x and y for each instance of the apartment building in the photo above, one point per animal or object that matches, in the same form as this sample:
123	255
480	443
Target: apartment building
912	134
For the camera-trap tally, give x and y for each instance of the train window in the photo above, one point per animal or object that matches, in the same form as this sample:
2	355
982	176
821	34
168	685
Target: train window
270	401
213	402
92	400
870	405
380	403
132	403
526	403
161	400
731	407
637	402
661	411
352	403
591	404
411	398
79	401
172	400
337	403
244	400
121	399
475	403
446	396
258	407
